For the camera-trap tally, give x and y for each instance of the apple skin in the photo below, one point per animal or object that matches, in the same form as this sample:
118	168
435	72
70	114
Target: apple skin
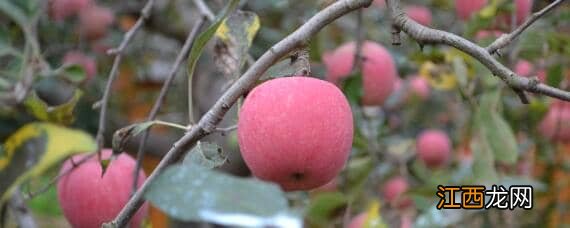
87	63
420	87
60	10
358	221
94	22
556	124
524	68
379	73
433	148
295	131
393	192
523	9
420	14
466	8
88	200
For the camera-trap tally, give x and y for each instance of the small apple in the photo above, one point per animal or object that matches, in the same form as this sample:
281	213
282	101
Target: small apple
379	73
420	14
94	22
433	148
62	9
466	8
419	87
88	199
556	123
295	131
394	192
358	221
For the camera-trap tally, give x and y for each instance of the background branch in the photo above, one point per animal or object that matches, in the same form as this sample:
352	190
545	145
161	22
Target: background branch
425	35
165	87
208	122
506	39
20	211
118	52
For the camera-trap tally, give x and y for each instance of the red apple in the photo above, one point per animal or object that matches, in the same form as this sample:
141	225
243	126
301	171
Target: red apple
89	199
87	63
524	68
556	123
420	14
394	190
379	73
331	186
433	148
420	87
523	9
466	8
358	221
62	9
295	131
94	22
488	34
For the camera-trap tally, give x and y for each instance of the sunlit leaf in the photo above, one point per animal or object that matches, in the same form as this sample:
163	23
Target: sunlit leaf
207	155
62	114
35	148
194	193
438	76
236	34
73	73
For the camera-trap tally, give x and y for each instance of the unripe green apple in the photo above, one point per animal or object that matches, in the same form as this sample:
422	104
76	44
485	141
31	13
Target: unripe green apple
88	199
433	148
379	73
295	131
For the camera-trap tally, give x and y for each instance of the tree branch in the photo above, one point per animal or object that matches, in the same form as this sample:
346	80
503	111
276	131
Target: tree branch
208	122
118	52
425	35
165	87
506	39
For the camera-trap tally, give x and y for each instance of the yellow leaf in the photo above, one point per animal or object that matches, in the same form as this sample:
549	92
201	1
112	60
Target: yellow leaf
439	77
373	218
35	148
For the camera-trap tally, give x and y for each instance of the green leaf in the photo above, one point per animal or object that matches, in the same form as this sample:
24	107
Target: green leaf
207	155
73	73
194	193
324	207
202	40
555	75
35	148
495	130
483	163
236	34
358	171
61	114
352	88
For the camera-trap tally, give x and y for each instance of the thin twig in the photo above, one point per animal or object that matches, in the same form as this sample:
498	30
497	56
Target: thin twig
208	122
204	9
165	87
506	39
426	35
118	52
357	66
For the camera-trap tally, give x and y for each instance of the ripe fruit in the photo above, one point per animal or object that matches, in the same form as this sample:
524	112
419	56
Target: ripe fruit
95	21
420	87
62	9
522	11
488	34
420	14
524	68
394	190
379	73
295	131
358	221
89	199
466	8
556	123
87	63
433	148
331	186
